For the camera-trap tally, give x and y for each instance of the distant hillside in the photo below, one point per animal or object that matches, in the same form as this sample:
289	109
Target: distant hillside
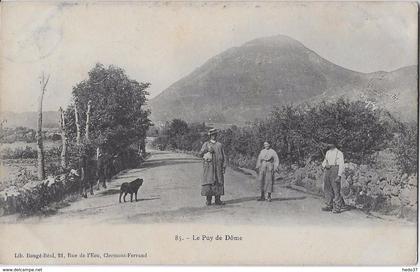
30	119
246	82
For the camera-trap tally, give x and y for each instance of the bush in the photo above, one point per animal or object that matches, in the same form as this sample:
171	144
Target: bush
179	135
11	135
55	137
28	152
22	177
301	133
298	134
54	169
161	142
34	198
405	147
18	153
53	152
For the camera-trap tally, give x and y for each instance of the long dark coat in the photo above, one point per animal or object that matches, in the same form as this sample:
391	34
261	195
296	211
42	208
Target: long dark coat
213	163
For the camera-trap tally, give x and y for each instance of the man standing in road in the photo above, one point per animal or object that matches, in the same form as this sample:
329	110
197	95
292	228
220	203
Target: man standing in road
214	166
267	164
334	168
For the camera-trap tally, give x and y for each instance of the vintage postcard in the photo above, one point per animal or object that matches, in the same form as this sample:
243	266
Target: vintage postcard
209	133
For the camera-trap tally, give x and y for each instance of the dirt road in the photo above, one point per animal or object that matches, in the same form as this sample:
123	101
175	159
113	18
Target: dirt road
171	193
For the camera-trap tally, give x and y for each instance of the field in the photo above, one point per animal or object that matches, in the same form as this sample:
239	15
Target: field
13	171
21	144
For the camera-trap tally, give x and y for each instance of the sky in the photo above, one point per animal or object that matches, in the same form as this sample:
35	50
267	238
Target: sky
162	42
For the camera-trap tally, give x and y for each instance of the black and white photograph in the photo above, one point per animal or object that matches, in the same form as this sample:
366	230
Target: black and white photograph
209	133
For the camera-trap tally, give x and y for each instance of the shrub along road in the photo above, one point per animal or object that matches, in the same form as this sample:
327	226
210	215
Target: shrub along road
171	194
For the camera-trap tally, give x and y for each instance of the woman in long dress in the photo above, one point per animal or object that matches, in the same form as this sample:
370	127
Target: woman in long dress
267	164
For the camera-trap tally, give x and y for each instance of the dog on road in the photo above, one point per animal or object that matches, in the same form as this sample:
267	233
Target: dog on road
130	188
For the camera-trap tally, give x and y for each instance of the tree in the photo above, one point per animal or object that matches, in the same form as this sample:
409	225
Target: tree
357	128
88	120
40	146
181	135
405	147
178	127
76	118
117	117
63	139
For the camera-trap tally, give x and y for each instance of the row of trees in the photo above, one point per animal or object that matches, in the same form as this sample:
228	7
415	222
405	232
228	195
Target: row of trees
300	133
178	134
105	119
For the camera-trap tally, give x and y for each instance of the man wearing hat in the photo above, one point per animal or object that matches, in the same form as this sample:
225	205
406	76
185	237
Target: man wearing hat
334	168
214	166
267	164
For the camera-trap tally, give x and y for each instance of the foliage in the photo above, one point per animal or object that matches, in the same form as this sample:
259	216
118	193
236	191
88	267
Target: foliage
27	152
55	137
118	117
11	135
22	176
161	142
54	169
301	133
405	147
242	145
152	132
177	134
357	128
18	153
298	134
118	121
177	127
35	200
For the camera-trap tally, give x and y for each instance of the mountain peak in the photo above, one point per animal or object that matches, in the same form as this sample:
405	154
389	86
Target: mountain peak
246	82
277	40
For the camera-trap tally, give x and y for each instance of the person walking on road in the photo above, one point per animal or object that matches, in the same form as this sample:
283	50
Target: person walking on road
267	164
334	167
214	167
